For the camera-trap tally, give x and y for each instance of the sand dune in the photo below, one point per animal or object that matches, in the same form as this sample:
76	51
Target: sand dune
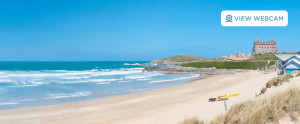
162	106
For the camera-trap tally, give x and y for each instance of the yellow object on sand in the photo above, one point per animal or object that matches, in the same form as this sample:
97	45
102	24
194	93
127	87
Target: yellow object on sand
226	96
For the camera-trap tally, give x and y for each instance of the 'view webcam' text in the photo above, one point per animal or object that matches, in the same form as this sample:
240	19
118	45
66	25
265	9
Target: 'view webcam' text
258	18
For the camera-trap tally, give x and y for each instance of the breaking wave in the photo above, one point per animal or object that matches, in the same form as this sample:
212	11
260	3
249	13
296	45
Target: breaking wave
68	95
132	64
36	78
50	96
20	88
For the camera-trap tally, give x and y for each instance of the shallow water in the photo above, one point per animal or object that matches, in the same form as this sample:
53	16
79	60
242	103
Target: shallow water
25	84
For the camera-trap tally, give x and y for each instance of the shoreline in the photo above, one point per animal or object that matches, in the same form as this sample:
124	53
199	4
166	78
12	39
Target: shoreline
50	87
188	80
144	107
172	82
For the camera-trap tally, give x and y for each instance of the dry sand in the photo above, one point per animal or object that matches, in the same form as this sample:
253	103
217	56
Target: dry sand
161	106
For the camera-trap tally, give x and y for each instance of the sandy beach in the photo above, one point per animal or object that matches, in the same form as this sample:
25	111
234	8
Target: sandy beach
161	106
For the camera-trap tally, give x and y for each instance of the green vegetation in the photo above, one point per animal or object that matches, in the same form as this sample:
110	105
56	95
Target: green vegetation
263	90
193	120
261	111
276	81
257	61
218	59
271	63
269	56
269	110
229	64
185	58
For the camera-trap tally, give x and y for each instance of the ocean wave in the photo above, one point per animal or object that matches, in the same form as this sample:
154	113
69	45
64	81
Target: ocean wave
5	80
176	79
70	78
88	81
103	83
74	82
144	79
123	81
119	72
32	85
43	74
35	78
28	84
55	70
62	73
25	100
132	64
144	75
95	70
136	76
58	96
68	95
8	103
103	80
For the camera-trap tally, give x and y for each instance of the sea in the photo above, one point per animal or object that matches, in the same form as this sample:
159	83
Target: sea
26	84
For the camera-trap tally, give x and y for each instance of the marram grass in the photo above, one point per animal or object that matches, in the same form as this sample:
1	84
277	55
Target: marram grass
259	111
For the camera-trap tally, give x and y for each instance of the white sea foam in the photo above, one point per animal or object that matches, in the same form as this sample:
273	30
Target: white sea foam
24	100
119	72
68	95
59	96
32	85
74	82
8	103
144	75
95	70
62	84
56	70
5	80
84	77
35	78
182	78
44	74
123	81
28	84
103	83
132	64
145	79
102	80
135	76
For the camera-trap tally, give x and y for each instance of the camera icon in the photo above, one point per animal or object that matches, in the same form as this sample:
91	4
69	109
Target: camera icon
228	18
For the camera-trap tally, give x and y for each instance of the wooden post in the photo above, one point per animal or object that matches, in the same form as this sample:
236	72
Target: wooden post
225	105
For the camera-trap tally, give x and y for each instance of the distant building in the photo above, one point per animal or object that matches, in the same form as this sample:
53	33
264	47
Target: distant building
265	47
289	62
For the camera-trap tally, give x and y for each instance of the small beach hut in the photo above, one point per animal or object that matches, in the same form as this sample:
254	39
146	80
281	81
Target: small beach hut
289	62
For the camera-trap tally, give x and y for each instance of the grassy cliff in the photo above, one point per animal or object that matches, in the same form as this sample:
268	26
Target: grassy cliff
257	61
185	58
229	64
269	56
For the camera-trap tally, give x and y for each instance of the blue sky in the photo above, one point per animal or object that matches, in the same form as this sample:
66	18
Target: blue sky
113	30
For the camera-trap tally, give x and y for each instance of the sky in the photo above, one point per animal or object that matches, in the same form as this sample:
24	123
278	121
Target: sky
129	30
